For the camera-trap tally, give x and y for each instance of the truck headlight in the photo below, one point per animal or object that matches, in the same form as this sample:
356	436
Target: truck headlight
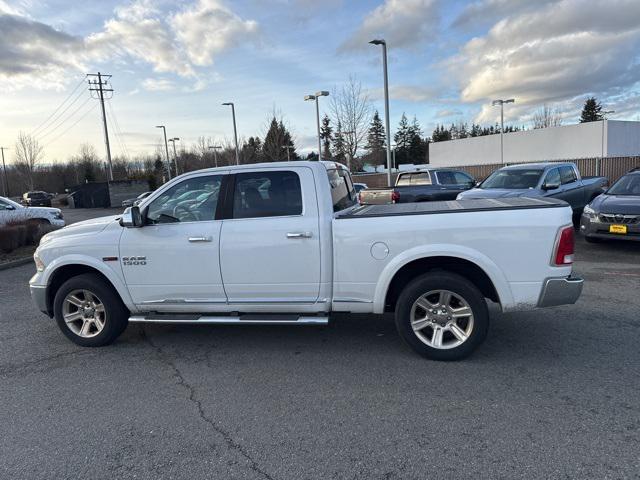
39	263
589	212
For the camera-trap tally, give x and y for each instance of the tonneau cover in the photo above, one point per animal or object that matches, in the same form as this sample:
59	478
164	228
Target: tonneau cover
452	206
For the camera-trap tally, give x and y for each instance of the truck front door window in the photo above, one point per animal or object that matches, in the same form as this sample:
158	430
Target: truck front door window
192	200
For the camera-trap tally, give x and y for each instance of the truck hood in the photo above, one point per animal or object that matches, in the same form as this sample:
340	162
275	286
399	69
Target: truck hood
87	227
498	193
622	204
43	210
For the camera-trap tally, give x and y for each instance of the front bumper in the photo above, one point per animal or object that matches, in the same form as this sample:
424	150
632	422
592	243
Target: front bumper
594	228
560	291
39	297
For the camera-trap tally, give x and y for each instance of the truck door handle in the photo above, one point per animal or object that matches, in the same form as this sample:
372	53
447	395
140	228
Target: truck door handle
199	239
299	235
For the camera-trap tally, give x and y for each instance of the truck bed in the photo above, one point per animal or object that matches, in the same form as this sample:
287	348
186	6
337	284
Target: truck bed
452	206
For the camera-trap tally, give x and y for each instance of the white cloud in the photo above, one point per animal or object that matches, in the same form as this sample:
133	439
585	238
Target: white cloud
209	28
555	53
139	32
158	84
485	11
402	23
32	50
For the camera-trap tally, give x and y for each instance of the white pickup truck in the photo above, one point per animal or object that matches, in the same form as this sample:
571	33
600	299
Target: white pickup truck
287	243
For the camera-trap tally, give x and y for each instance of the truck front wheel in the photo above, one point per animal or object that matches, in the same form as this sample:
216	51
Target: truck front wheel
89	312
442	316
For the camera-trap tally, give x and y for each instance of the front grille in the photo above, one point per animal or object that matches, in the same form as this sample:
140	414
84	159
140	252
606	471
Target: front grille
619	219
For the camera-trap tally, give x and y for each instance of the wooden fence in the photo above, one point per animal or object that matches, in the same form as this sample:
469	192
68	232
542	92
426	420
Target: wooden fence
610	167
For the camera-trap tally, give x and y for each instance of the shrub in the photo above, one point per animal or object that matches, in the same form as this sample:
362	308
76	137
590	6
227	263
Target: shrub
18	234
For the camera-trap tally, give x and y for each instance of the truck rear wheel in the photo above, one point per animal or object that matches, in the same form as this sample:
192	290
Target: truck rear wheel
89	312
442	316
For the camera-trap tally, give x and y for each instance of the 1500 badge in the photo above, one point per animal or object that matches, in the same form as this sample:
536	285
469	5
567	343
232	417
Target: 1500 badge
134	261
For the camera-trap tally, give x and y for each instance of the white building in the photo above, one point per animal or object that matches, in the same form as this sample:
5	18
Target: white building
607	138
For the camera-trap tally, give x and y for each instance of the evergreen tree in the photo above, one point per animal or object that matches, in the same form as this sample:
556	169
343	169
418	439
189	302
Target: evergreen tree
275	140
376	143
338	144
252	150
416	144
403	137
591	111
326	134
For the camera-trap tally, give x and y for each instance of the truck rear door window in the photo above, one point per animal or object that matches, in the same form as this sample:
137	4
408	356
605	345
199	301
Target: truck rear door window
267	194
343	194
567	174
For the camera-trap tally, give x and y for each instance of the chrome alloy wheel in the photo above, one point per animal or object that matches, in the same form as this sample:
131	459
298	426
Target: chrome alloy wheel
84	313
442	319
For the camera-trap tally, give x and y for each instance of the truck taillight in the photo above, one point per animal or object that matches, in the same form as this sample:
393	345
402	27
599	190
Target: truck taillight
395	196
360	198
564	247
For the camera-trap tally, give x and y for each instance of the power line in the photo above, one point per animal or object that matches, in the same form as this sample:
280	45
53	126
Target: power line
91	108
59	107
117	128
65	119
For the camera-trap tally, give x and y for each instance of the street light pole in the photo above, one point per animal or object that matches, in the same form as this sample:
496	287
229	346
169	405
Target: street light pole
235	130
5	181
501	103
288	148
175	155
604	119
215	153
166	149
322	93
386	103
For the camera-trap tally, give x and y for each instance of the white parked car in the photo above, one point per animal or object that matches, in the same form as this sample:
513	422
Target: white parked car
287	243
11	211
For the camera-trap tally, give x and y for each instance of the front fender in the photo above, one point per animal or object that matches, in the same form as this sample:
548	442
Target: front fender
102	267
441	250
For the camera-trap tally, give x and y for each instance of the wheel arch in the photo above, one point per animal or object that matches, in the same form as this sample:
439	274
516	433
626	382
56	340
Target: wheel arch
63	272
482	272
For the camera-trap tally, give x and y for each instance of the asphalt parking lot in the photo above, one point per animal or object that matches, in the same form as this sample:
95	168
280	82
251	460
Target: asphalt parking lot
551	394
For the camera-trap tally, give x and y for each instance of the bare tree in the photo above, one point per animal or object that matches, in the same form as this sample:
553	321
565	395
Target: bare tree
350	107
27	157
547	116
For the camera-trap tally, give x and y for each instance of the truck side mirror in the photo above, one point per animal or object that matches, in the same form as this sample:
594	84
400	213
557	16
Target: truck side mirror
550	186
131	218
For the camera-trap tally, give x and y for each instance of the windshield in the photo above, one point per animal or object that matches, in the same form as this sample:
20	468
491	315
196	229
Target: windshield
10	202
513	179
627	185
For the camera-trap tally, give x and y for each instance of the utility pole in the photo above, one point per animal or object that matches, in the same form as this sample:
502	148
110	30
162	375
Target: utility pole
99	86
215	149
5	182
175	155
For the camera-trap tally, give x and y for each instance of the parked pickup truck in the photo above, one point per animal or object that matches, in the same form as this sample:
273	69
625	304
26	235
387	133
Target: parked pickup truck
422	185
555	180
287	244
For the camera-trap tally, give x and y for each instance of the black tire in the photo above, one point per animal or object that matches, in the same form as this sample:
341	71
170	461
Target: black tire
116	314
460	286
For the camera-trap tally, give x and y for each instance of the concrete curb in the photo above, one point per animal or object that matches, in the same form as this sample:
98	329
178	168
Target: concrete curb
16	263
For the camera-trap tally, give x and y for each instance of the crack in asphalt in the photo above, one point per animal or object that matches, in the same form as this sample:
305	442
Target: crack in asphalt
12	368
231	443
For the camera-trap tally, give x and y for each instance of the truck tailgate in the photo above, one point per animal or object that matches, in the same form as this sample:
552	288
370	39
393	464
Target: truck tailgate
376	196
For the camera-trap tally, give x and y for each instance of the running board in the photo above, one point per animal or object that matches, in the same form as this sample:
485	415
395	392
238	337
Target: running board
248	319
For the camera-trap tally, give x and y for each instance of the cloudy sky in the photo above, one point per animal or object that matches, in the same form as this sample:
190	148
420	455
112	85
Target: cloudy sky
174	62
